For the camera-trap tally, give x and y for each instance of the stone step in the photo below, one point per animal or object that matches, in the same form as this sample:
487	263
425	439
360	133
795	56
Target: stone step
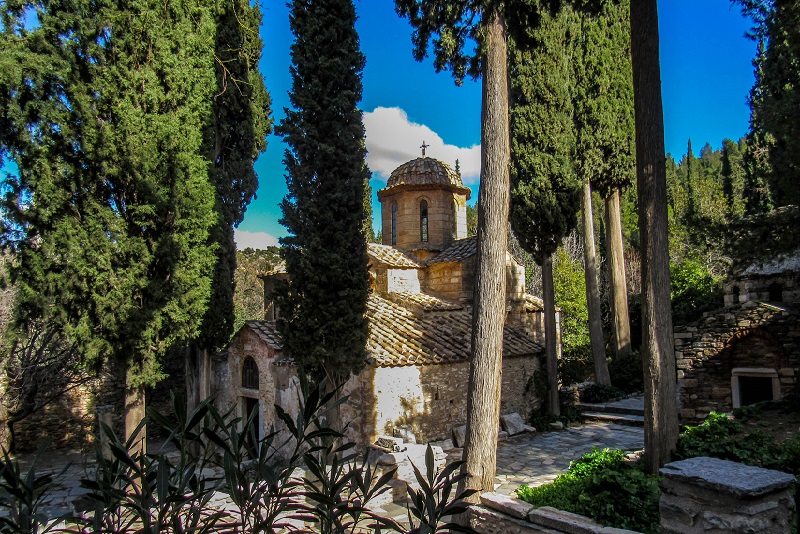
618	418
587	407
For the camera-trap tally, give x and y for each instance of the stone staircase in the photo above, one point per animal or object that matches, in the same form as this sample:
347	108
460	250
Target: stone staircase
628	412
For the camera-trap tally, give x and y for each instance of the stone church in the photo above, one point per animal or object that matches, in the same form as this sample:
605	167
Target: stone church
419	315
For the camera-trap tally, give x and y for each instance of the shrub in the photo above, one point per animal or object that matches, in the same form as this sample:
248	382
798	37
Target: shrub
722	437
627	372
695	290
606	487
159	494
600	393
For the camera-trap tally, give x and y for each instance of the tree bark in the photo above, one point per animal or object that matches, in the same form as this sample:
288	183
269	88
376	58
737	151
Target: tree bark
616	269
550	335
489	308
601	375
661	420
135	414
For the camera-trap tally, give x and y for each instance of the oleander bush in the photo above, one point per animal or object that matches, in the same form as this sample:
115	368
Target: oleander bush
171	490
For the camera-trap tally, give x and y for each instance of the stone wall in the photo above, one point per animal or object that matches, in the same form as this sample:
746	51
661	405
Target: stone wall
430	400
752	335
426	400
440	217
741	289
72	420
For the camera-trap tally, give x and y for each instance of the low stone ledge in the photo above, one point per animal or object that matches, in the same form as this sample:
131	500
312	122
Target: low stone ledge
730	478
570	523
507	505
501	514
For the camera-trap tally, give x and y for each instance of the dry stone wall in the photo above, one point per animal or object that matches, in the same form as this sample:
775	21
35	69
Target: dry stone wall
751	335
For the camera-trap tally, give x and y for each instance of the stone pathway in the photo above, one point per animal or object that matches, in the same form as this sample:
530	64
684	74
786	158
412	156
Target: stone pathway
532	459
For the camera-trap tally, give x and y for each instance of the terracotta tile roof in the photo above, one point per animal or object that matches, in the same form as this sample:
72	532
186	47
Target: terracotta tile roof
398	336
266	330
423	302
391	256
458	250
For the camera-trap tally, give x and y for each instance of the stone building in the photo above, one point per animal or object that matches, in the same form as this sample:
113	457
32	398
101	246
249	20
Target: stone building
748	351
419	314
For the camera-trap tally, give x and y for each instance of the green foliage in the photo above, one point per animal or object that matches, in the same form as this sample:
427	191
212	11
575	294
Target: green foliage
160	493
106	111
695	290
775	99
323	305
720	436
601	393
241	124
627	372
248	297
570	292
23	495
764	236
605	486
545	191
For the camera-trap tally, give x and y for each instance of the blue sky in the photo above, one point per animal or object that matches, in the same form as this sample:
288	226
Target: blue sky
706	66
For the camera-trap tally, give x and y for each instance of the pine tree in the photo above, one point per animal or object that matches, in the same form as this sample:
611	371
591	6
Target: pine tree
323	305
546	191
104	113
732	176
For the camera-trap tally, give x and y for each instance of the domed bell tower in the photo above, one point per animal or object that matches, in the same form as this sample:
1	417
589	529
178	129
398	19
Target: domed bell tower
423	207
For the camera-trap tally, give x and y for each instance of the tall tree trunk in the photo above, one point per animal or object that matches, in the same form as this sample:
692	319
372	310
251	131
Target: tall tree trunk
661	419
616	269
489	309
550	335
601	375
134	415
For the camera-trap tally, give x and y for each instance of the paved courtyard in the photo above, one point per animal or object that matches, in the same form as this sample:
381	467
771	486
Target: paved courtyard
526	459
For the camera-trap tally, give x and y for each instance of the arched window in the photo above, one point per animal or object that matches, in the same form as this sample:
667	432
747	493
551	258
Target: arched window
455	219
423	221
775	292
250	374
394	224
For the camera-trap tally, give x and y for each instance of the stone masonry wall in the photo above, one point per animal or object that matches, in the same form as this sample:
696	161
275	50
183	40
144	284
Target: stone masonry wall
751	335
430	400
440	218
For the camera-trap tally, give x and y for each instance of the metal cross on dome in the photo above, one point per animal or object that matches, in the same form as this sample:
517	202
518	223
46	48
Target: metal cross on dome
423	147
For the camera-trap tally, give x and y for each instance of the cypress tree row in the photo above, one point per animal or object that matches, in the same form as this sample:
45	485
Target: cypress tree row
104	111
323	305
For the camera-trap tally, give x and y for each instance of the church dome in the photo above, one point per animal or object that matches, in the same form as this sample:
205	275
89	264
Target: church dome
424	171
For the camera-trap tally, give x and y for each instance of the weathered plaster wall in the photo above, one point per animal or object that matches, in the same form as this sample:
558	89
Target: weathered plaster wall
750	335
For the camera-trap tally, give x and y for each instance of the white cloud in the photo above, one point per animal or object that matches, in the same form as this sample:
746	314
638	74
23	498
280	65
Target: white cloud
393	140
256	240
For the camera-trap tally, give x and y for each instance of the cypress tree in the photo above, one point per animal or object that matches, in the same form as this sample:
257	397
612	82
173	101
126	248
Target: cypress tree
323	305
545	193
604	124
241	123
104	111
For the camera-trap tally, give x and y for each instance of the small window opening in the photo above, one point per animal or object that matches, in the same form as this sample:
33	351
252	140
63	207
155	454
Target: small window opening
735	292
250	374
775	292
455	220
423	221
394	224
